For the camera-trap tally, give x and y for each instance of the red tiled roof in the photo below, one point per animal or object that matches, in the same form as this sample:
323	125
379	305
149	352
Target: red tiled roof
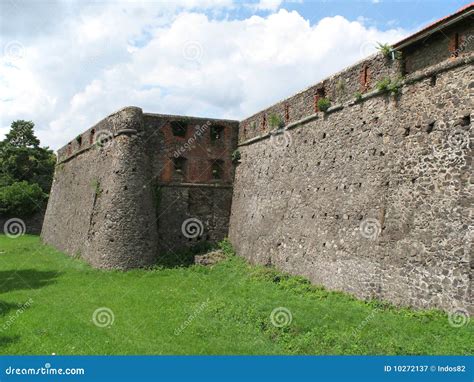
433	27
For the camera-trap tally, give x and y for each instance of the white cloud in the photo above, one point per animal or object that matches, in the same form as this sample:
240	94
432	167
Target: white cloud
177	59
267	5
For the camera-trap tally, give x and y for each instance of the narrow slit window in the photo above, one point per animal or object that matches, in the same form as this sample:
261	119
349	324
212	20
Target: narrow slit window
455	45
364	78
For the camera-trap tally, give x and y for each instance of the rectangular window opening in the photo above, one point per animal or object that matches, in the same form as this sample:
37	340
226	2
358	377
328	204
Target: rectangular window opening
217	133
179	165
179	128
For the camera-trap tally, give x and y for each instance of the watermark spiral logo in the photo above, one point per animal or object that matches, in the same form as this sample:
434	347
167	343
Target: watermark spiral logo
367	48
370	228
458	139
192	50
192	228
281	140
14	228
103	138
458	317
103	317
281	317
14	50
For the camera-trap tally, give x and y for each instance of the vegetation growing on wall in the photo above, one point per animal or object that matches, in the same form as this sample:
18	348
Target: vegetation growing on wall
389	85
340	89
276	122
324	104
358	96
236	156
388	52
96	187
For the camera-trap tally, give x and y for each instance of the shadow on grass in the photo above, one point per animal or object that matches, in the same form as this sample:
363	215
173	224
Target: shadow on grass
6	307
185	257
5	340
26	279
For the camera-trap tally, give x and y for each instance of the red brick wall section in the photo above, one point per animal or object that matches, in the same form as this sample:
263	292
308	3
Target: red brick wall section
199	151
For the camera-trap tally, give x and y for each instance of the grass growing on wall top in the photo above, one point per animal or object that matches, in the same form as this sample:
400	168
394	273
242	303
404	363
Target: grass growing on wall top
48	300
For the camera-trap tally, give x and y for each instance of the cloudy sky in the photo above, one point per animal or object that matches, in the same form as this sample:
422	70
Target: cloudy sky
67	64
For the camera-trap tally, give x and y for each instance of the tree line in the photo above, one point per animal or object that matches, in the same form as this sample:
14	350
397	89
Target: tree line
26	171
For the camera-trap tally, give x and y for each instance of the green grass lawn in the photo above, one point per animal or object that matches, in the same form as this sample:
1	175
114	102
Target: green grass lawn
47	303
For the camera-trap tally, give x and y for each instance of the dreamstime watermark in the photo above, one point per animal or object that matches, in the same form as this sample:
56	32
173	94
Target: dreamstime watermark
192	50
14	51
14	228
462	46
459	139
189	144
458	317
367	48
103	317
356	332
12	318
370	228
281	317
44	370
191	317
281	139
192	228
453	147
103	138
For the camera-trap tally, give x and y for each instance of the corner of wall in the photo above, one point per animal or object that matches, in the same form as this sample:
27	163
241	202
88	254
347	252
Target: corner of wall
101	203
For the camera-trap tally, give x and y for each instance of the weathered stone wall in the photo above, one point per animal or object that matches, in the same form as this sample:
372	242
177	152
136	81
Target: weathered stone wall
118	201
207	206
341	87
194	195
100	206
371	198
450	42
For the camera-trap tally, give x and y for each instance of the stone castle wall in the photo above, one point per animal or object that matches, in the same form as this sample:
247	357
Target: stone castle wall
100	207
117	200
194	193
372	197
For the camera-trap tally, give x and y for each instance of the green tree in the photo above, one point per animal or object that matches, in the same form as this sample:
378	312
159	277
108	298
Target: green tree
21	199
26	170
22	159
22	134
